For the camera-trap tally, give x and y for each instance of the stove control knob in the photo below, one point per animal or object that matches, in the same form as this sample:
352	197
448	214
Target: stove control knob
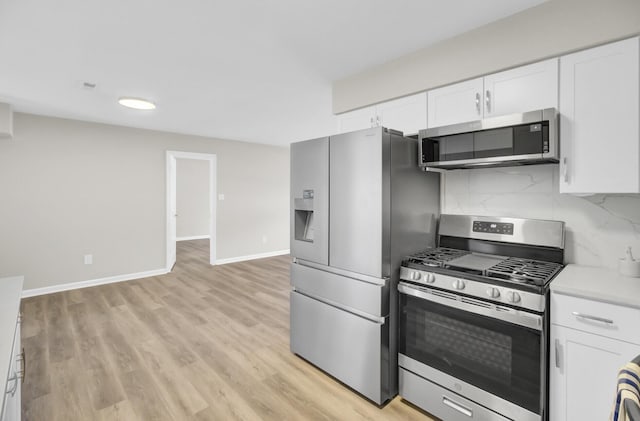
430	278
458	284
416	276
493	292
513	297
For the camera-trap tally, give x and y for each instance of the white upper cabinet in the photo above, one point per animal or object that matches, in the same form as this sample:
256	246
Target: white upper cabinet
518	90
363	118
525	88
407	114
455	103
599	119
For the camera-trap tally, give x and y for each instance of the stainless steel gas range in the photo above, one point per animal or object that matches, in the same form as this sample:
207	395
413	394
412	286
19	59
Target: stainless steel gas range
473	342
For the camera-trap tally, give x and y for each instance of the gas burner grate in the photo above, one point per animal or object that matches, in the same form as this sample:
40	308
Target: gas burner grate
436	257
524	270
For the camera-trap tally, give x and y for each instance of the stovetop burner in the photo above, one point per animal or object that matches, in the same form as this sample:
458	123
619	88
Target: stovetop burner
436	257
525	270
503	268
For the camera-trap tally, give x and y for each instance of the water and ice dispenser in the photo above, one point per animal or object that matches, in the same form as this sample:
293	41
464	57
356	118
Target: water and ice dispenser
304	221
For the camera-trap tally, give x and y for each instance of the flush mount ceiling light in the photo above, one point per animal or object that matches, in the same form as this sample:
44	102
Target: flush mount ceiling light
137	103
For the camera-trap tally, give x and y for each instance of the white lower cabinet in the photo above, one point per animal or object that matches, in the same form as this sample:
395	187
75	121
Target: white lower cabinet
585	356
11	410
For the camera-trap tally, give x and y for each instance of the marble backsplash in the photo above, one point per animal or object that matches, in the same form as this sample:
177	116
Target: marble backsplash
598	228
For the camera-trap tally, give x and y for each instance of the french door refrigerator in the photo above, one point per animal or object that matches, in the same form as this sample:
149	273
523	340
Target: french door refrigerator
359	204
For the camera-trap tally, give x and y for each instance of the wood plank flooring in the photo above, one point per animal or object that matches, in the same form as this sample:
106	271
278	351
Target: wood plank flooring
200	343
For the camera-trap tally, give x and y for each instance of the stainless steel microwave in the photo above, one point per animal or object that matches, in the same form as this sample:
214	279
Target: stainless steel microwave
518	139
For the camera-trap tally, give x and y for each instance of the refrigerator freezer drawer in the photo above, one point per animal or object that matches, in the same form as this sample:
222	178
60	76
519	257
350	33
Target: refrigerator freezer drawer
343	344
343	291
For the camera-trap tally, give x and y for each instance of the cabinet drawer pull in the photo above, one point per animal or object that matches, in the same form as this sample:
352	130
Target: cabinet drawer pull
594	318
478	102
460	408
557	353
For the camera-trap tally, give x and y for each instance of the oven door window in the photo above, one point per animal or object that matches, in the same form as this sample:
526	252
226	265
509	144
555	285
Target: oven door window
499	357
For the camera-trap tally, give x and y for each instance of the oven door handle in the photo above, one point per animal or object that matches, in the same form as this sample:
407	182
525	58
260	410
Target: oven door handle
507	314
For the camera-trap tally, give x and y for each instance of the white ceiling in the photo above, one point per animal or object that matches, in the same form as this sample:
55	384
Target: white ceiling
253	70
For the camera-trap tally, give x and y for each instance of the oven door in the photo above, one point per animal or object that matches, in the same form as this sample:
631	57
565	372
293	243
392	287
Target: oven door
490	354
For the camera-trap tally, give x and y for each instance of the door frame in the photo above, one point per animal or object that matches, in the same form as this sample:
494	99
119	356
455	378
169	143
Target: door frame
171	176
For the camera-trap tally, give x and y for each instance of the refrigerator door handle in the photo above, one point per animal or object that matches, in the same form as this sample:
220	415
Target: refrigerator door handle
341	272
375	319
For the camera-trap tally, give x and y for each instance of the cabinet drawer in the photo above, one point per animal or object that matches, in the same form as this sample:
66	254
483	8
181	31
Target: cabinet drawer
596	317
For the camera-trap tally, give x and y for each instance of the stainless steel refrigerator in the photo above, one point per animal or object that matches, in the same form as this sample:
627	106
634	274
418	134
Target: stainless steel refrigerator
359	204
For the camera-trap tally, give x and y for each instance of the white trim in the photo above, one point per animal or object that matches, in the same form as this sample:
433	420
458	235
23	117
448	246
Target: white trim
251	257
90	283
193	237
213	201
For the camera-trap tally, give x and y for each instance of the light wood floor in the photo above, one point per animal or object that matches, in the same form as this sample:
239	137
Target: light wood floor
200	343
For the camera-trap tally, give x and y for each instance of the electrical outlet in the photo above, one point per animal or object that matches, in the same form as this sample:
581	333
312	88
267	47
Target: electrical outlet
221	196
264	239
88	259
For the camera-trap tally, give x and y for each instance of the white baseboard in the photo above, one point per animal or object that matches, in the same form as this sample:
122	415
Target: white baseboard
90	283
193	237
251	257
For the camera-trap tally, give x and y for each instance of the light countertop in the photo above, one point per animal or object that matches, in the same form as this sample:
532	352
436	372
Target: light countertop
10	295
599	284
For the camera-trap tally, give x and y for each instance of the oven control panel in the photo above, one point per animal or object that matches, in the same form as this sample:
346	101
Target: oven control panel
503	228
481	290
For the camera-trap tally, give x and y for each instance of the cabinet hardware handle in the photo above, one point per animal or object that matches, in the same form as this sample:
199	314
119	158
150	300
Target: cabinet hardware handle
488	100
595	318
454	405
371	120
22	358
565	171
13	379
377	121
557	353
478	102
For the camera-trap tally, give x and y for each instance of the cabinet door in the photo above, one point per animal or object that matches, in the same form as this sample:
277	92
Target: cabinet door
351	121
599	106
12	410
525	88
408	114
584	369
455	103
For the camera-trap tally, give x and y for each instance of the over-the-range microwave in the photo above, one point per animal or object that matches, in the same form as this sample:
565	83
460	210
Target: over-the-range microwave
517	139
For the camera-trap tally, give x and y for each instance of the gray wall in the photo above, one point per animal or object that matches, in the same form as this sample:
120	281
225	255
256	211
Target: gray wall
192	198
70	188
547	30
598	228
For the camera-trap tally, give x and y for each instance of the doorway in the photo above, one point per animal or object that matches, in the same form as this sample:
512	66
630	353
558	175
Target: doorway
171	208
